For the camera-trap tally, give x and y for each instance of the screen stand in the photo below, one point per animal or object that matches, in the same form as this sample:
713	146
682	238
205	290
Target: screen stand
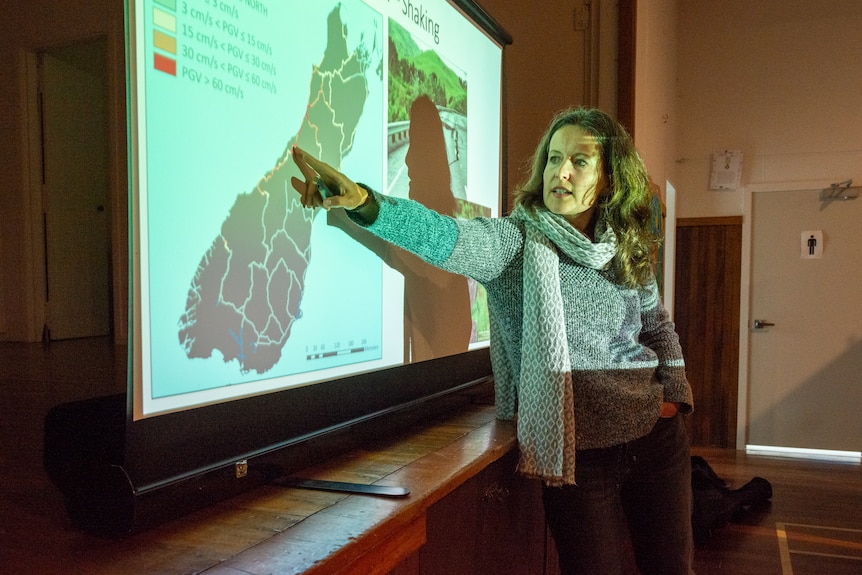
342	487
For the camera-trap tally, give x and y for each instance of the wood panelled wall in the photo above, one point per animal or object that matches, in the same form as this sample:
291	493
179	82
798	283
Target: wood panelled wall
706	312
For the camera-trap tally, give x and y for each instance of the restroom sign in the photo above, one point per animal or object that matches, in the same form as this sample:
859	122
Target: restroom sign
812	244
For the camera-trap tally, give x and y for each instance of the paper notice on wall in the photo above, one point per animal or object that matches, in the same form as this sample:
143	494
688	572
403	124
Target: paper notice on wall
726	170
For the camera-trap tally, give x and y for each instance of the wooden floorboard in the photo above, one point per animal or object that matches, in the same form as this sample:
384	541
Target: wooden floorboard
817	505
813	525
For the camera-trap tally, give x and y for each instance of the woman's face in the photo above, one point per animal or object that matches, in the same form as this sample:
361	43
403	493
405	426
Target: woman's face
574	176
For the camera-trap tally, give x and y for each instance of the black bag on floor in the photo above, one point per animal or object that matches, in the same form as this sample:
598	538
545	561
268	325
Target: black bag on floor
715	504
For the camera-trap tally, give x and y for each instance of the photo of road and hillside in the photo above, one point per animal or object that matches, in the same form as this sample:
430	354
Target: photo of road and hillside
415	71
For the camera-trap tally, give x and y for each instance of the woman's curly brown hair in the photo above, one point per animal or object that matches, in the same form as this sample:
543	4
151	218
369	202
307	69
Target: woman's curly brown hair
625	207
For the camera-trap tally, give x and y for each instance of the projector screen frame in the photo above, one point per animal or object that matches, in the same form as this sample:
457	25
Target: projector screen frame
193	455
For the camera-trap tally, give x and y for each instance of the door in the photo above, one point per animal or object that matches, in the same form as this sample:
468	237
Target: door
805	371
73	94
707	285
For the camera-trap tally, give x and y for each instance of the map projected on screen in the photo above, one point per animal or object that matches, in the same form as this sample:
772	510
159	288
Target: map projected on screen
246	292
239	289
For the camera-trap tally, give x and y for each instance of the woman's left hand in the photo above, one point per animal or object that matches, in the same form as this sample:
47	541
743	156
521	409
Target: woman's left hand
669	409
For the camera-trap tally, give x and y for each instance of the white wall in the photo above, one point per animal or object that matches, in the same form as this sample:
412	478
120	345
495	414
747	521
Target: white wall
656	118
543	71
780	80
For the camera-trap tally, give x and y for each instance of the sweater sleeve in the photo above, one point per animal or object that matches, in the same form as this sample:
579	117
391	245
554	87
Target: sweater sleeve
411	226
659	334
479	248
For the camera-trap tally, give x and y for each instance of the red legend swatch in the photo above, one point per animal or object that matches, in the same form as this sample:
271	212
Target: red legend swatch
164	64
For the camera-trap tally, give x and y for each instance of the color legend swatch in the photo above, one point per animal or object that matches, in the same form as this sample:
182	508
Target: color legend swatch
164	37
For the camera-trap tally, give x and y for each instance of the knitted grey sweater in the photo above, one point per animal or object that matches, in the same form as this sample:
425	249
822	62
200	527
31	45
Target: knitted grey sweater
625	355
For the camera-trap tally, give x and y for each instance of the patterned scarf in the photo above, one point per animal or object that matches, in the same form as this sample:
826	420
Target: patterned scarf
546	415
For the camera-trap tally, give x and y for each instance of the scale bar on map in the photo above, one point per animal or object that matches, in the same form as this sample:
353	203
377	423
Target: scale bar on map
338	352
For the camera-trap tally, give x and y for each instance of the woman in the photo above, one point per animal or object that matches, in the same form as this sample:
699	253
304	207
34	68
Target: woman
581	347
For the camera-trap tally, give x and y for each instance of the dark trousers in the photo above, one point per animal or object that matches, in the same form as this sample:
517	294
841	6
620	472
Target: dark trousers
631	505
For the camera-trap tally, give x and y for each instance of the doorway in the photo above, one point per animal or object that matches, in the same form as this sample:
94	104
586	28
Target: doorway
73	116
804	334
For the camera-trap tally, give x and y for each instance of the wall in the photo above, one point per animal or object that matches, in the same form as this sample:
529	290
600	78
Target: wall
656	118
543	70
25	28
778	79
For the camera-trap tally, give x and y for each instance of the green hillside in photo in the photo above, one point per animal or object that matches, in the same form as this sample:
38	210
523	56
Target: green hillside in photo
414	72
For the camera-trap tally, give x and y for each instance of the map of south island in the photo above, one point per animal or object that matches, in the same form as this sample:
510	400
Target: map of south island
249	291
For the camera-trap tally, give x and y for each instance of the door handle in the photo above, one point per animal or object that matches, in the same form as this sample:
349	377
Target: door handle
760	324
